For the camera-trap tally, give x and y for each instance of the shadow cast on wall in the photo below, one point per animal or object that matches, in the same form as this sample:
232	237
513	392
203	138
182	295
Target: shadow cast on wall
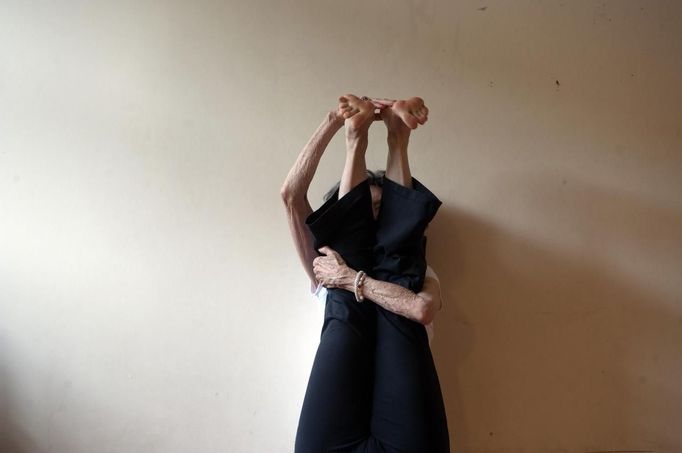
538	341
13	439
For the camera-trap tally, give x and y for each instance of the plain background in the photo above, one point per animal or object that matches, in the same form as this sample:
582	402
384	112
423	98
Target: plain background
151	299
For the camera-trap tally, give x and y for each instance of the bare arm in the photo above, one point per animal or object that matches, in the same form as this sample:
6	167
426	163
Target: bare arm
295	189
333	272
420	307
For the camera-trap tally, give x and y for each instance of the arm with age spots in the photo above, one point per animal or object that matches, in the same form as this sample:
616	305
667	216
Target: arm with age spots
333	272
294	191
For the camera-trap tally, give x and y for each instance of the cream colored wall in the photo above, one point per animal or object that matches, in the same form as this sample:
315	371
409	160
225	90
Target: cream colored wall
151	301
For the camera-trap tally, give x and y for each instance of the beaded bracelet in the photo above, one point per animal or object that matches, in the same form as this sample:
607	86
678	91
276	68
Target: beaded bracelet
359	280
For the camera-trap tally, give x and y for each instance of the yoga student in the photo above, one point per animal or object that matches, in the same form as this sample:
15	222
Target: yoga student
373	385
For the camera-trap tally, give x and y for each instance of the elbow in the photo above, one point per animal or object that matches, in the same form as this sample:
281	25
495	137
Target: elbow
424	317
292	193
424	313
287	194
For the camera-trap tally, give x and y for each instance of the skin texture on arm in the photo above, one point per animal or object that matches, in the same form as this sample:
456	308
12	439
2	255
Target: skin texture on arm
420	307
294	191
332	272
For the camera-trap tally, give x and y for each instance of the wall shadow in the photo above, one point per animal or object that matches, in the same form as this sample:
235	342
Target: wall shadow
536	338
13	439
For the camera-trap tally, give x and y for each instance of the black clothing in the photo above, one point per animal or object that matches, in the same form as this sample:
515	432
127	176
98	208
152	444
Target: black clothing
373	386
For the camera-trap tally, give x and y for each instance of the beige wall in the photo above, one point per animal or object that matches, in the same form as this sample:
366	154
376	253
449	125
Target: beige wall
151	301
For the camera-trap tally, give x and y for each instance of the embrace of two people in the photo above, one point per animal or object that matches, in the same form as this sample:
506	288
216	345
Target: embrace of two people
373	386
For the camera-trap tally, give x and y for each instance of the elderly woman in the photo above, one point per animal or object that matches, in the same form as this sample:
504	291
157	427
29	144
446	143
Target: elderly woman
373	385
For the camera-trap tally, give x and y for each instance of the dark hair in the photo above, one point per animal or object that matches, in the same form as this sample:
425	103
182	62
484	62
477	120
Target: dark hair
376	178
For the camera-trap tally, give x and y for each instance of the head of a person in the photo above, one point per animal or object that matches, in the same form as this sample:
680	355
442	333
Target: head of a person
376	183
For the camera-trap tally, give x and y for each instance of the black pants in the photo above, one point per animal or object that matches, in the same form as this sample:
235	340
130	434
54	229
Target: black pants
373	386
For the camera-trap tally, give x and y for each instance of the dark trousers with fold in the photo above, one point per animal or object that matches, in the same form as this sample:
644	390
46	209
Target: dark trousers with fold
373	386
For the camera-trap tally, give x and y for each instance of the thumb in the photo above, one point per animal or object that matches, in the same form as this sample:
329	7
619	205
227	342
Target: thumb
330	252
325	250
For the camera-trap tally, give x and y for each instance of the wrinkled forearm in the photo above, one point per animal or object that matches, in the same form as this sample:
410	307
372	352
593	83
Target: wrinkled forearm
393	298
420	307
298	180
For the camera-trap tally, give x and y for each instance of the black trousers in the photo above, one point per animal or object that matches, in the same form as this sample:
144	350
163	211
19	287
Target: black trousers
373	386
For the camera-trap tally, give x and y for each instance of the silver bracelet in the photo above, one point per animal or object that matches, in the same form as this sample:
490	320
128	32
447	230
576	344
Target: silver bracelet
359	280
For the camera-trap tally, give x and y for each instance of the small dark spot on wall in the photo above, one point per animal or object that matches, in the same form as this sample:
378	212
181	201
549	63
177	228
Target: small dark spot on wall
557	82
491	433
632	74
490	83
482	8
563	182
